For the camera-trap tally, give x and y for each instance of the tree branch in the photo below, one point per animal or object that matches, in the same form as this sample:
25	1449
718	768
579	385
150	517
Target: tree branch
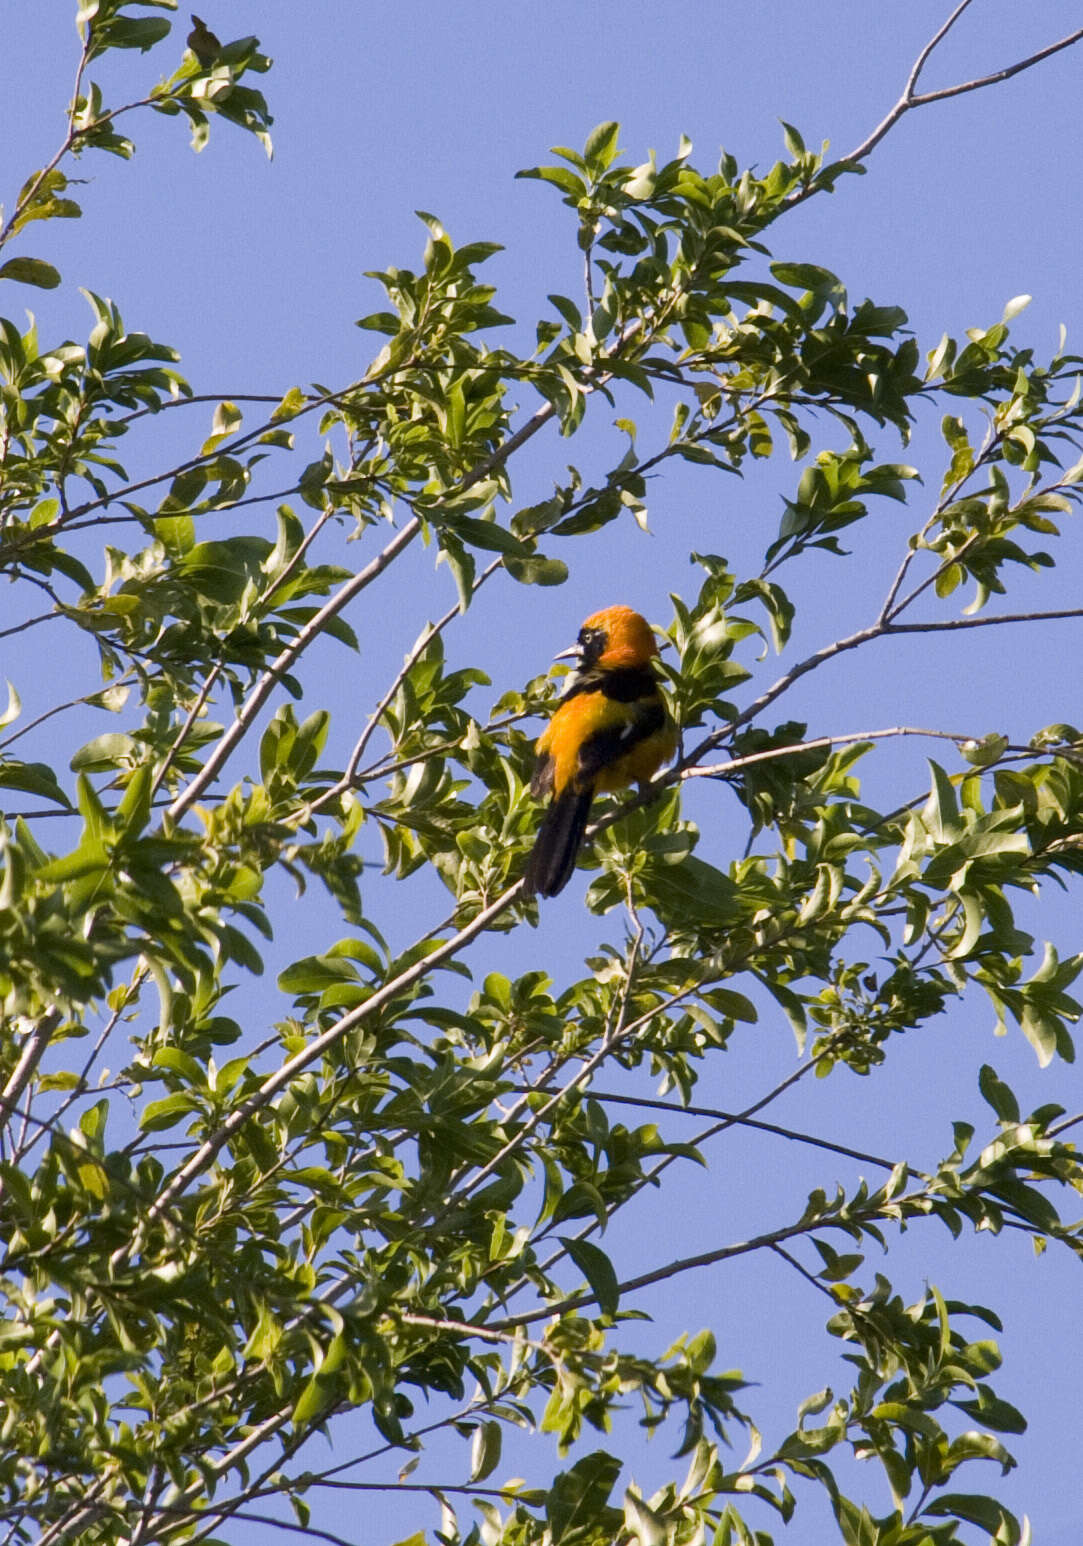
430	632
270	678
312	1053
651	1176
736	1119
672	1269
719	769
997	620
910	98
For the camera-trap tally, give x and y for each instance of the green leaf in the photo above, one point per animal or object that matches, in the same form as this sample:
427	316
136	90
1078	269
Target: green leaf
992	1412
794	143
31	271
578	1497
485	1450
941	811
131	32
32	778
90	858
646	1527
560	177
176	533
693	891
997	1094
133	812
314	973
977	1509
291	405
221	570
66	1080
314	1399
601	147
537	570
488	535
596	1267
805	276
160	1114
568	309
981	754
105	753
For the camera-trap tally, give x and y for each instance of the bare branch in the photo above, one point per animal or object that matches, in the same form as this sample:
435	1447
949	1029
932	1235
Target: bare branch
736	1119
997	620
30	622
911	98
996	76
33	1051
671	1269
232	1508
802	1271
719	769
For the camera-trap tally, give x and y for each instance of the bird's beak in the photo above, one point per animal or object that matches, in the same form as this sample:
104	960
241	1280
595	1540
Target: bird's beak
573	652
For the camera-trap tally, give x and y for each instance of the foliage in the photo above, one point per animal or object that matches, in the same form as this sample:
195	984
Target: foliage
267	1220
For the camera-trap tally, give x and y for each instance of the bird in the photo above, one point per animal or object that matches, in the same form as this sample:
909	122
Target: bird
610	729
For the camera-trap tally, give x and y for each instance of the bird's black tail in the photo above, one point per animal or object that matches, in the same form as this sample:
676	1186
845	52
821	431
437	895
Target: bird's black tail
559	838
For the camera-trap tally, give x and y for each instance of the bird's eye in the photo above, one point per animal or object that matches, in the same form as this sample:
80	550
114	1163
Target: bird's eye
591	646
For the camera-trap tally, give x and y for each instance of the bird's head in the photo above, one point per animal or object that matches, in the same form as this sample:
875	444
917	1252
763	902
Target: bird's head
616	636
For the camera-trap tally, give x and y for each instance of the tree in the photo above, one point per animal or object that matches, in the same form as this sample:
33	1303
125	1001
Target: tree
282	1216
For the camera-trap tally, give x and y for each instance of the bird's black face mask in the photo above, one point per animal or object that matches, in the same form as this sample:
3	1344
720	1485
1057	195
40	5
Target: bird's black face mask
592	643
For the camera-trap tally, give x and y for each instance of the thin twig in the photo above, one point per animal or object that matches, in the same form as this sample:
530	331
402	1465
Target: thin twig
430	632
33	1051
997	620
736	1119
30	622
612	1038
650	1177
889	610
274	673
687	765
910	98
51	166
270	678
60	708
670	1270
315	1050
735	764
803	1272
182	734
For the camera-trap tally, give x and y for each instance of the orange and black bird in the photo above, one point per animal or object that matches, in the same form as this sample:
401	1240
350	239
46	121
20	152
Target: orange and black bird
611	728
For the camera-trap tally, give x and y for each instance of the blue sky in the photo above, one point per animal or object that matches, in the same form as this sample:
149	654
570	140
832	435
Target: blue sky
254	270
